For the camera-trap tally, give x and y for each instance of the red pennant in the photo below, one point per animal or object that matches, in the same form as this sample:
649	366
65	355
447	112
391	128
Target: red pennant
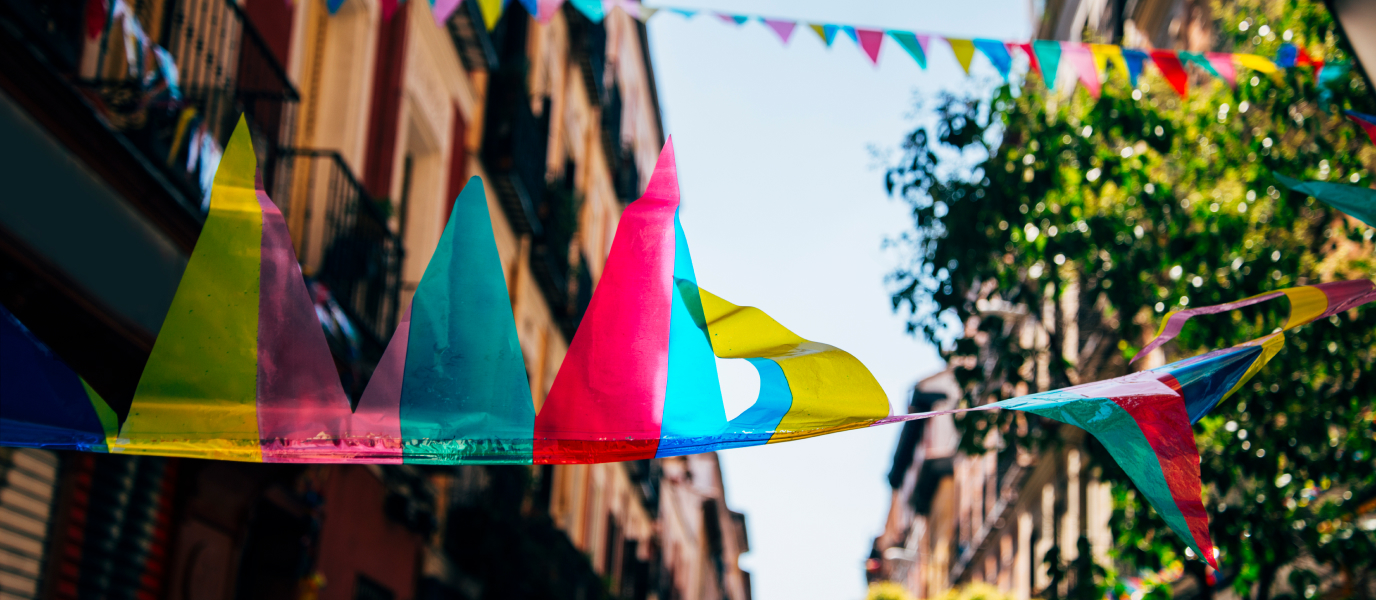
1172	70
1367	122
1031	56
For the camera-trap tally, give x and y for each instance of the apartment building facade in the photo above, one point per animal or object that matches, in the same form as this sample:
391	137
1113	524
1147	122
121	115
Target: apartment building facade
369	117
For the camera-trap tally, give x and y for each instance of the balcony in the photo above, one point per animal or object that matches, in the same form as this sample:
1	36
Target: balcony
121	111
170	79
350	247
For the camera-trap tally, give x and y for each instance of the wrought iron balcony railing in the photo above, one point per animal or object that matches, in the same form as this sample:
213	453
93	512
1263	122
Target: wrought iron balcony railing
345	240
171	77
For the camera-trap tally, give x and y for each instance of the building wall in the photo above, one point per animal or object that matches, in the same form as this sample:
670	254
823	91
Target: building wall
403	113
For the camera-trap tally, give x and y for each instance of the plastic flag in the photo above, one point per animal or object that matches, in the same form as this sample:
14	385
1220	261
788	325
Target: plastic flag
915	45
964	51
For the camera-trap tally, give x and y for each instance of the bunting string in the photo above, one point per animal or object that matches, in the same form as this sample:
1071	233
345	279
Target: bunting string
1090	63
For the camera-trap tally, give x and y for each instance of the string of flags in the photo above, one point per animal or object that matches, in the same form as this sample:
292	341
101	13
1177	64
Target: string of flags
1089	63
241	369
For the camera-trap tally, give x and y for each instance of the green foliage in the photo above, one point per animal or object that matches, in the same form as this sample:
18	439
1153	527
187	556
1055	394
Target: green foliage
975	591
887	590
1101	216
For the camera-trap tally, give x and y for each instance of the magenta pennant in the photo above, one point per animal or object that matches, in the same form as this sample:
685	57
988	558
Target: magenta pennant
870	41
732	19
1223	65
783	29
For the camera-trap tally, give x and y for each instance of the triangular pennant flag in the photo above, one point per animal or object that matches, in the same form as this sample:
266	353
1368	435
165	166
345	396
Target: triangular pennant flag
330	5
997	54
240	369
492	11
870	41
732	19
1223	66
1134	60
964	51
1287	55
916	45
1367	123
632	9
594	10
1049	58
683	12
850	32
783	29
646	12
1082	60
1255	63
388	8
1172	69
547	9
49	405
612	382
1328	76
829	33
532	7
1355	201
1198	59
442	9
1026	48
821	32
1108	54
466	392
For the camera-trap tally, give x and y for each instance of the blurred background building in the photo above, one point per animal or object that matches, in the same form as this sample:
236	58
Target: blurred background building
368	122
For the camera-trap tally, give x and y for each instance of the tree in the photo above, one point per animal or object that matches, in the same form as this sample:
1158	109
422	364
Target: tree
1092	218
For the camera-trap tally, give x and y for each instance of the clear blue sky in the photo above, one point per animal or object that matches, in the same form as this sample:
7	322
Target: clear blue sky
785	209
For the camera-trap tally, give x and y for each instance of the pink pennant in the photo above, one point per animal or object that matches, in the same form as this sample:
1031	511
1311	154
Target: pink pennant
442	9
1082	60
870	42
784	29
1223	63
389	8
548	8
731	19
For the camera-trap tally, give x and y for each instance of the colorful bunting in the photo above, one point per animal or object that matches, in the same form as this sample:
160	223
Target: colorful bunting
683	12
997	53
1026	48
58	410
1081	58
915	45
732	19
1255	63
1106	55
1355	201
1223	67
492	11
1172	70
783	29
441	10
822	33
964	51
870	41
241	371
1133	60
1049	58
850	32
1367	123
594	10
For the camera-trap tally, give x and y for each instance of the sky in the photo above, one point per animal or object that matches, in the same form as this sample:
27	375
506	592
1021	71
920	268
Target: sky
784	207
